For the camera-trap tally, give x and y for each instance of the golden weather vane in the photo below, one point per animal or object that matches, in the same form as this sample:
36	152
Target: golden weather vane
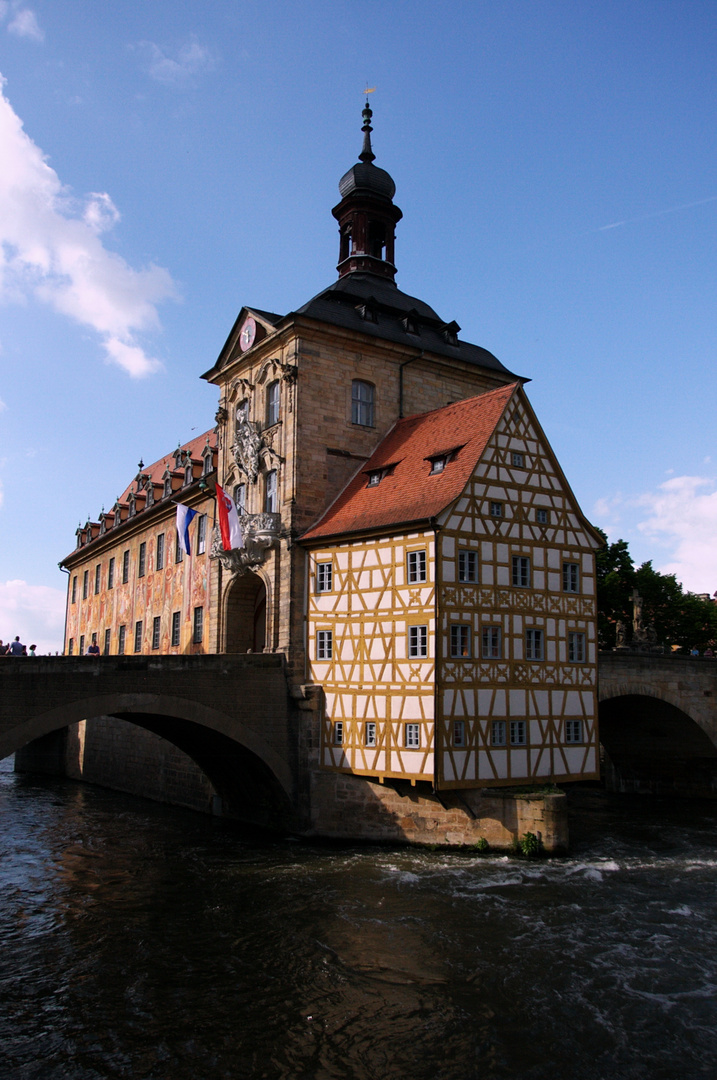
369	89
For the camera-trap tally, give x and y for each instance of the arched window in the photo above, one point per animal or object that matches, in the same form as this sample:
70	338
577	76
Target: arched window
240	498
242	412
272	403
362	403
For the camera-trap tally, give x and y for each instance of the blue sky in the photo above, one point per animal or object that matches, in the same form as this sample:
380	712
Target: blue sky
162	164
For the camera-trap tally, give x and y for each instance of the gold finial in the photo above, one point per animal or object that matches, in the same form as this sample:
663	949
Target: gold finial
369	90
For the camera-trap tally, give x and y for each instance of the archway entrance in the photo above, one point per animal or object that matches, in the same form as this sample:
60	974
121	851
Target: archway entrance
652	747
245	622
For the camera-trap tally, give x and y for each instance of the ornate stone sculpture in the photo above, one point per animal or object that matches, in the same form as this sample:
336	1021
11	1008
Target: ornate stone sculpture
260	533
245	451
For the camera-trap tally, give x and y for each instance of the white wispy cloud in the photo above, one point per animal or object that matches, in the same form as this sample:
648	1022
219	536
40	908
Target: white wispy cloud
190	59
51	250
24	24
683	516
35	613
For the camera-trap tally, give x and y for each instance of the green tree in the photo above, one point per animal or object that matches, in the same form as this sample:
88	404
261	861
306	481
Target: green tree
680	619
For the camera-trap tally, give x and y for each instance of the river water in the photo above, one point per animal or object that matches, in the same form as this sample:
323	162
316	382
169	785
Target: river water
144	942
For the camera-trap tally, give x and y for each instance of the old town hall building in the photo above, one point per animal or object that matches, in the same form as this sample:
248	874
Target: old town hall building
410	543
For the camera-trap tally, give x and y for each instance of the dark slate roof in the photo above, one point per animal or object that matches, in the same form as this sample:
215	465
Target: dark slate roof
341	304
364	176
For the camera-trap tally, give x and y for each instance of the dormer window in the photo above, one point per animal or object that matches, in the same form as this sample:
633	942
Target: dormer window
439	461
118	516
410	323
167	484
188	474
132	505
374	478
149	488
178	458
208	460
449	333
368	312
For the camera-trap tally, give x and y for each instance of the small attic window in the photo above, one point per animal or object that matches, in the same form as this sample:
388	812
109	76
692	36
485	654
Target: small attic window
410	323
149	488
449	332
368	312
167	489
439	461
375	476
188	474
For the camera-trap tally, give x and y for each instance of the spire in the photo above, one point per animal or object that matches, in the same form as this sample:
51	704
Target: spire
367	153
366	214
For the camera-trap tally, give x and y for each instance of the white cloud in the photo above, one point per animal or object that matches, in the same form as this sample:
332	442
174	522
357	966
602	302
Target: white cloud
35	613
191	59
25	24
683	516
52	250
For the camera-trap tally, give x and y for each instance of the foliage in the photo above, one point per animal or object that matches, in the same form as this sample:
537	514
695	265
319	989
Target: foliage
481	845
679	618
531	846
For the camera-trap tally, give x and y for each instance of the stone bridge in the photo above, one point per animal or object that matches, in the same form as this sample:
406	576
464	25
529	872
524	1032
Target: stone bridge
658	723
232	714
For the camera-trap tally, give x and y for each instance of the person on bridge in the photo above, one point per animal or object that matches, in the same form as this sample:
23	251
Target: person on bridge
16	648
94	649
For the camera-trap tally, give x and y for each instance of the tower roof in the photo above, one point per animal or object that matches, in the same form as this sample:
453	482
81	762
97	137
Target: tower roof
365	176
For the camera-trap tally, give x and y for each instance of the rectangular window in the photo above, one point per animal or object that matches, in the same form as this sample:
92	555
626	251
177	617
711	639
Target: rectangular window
71	647
460	640
324	577
492	644
416	561
142	560
198	626
497	733
417	641
271	500
412	736
324	645
74	590
111	573
106	649
82	644
138	636
159	561
121	639
240	498
98	578
496	509
125	568
571	577
533	644
518	460
467	566
272	403
179	551
370	733
521	571
202	534
541	516
156	629
374	478
361	403
459	733
339	733
438	465
85	586
175	629
574	731
576	648
518	733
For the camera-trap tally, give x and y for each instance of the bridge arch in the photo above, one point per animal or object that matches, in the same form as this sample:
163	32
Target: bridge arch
652	745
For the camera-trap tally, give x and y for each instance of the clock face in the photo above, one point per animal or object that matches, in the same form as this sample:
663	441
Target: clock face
247	335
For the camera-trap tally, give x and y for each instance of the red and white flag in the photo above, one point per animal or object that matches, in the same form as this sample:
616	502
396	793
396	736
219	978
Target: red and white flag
229	525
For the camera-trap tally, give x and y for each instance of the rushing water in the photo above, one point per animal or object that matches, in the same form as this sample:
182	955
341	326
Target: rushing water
142	942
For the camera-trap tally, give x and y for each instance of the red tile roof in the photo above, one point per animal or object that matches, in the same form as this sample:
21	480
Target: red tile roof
409	492
156	471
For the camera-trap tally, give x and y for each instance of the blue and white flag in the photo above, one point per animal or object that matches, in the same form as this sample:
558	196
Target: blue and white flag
184	517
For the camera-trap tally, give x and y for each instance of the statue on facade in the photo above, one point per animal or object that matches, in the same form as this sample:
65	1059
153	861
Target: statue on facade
246	447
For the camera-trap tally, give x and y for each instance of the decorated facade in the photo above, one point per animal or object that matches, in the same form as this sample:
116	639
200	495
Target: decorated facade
409	542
